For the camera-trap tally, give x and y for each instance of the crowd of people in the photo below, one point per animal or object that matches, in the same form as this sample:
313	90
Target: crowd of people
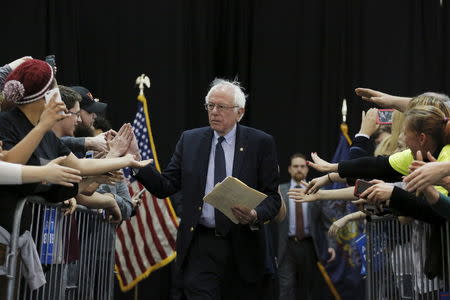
278	249
40	154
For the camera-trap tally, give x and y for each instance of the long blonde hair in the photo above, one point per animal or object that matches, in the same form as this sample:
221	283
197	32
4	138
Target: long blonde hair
390	144
430	98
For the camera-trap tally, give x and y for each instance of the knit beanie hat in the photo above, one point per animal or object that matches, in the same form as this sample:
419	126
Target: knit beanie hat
28	82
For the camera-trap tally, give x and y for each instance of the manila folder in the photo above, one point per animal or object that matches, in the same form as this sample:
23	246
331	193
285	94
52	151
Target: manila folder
233	192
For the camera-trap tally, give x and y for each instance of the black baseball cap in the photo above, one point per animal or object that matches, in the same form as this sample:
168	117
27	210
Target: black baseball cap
87	101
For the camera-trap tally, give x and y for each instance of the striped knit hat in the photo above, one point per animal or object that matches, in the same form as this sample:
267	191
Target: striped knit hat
28	82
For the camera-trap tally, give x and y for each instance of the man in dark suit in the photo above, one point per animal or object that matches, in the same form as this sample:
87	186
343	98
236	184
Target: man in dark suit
302	241
218	259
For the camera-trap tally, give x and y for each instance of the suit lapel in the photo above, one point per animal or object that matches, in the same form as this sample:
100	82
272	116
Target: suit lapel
203	154
240	150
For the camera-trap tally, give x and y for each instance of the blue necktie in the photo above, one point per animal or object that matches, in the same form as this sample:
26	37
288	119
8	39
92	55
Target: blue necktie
222	223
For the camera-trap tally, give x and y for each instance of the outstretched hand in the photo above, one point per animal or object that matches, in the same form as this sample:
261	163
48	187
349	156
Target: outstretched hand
58	174
322	165
299	196
379	98
133	163
424	174
378	193
317	183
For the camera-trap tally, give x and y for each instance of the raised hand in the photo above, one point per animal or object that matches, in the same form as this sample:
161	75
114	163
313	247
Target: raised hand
134	148
379	98
52	114
110	134
369	122
119	145
97	143
321	165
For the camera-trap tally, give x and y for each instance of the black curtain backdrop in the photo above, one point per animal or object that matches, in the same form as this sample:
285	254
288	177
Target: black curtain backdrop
296	59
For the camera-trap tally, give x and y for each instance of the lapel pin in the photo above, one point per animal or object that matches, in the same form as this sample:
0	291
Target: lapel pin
241	149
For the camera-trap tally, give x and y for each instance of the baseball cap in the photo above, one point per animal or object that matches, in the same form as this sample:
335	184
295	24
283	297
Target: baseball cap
87	101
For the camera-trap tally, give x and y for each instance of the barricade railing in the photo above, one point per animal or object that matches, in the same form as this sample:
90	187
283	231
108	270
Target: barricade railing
75	251
407	261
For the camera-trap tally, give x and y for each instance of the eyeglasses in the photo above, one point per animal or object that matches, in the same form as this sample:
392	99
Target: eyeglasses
78	113
219	107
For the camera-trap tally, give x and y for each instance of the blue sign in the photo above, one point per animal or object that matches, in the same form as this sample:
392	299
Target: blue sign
48	235
360	243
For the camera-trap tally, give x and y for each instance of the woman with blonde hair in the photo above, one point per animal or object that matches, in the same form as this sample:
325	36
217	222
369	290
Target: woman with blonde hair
394	142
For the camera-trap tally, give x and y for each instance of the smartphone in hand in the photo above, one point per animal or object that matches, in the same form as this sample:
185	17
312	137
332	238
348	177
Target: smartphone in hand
384	116
50	59
49	94
361	186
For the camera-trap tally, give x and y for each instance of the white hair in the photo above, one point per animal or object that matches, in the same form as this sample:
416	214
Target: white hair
235	86
238	93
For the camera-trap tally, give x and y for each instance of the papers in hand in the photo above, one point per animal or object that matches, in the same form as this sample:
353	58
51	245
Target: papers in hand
233	192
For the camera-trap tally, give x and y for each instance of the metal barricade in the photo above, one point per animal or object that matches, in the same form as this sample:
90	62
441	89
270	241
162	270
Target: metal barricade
76	253
407	261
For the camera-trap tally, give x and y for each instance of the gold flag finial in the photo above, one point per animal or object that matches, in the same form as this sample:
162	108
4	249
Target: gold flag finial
141	81
344	126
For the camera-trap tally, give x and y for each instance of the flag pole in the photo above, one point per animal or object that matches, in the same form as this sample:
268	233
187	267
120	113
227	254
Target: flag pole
344	126
142	82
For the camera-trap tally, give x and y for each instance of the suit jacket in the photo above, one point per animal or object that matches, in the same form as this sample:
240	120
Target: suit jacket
319	224
255	163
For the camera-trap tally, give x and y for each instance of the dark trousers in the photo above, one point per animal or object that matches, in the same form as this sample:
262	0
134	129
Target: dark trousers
299	276
210	271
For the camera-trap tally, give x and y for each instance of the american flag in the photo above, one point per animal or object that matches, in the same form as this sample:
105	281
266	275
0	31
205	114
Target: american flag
147	241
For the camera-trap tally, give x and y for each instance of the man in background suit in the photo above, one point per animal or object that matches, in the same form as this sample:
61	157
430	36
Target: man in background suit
302	241
218	259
